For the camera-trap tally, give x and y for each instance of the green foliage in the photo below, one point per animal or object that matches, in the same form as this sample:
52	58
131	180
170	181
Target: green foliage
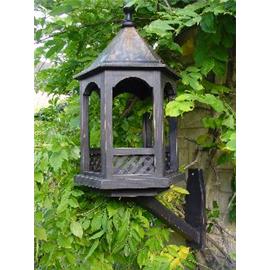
212	215
78	227
81	228
210	59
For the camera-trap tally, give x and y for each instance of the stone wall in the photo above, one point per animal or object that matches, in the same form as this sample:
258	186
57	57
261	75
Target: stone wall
217	180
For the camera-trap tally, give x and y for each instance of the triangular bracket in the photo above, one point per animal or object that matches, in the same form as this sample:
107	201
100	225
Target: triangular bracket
193	227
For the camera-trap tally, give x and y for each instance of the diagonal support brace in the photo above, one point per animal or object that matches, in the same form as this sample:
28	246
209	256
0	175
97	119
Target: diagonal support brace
193	226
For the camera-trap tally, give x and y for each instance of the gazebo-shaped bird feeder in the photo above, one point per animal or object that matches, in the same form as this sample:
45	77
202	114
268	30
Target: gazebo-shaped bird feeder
129	64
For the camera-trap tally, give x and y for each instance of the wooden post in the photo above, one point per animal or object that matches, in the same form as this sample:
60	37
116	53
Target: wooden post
106	126
158	126
84	118
147	130
173	143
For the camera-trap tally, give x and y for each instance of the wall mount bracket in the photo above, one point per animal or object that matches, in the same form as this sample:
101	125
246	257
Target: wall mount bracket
193	226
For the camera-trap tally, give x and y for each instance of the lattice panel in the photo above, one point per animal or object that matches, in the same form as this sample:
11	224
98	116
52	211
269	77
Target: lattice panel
133	164
95	160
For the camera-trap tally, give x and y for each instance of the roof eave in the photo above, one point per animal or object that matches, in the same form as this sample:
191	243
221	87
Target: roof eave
162	67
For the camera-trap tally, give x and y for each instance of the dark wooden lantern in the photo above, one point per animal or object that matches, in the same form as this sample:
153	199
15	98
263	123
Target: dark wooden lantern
129	64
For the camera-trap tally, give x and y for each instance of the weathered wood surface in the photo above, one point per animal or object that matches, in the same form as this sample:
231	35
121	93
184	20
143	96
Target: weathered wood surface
158	126
166	215
128	181
195	213
84	119
147	130
132	151
133	164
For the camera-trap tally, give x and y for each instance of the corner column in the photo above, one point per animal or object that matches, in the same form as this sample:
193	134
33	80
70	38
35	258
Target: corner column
158	126
84	118
106	98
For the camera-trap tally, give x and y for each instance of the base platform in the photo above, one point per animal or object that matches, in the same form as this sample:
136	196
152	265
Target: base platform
128	185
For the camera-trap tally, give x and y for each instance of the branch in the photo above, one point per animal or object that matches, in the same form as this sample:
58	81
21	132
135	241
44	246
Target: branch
219	248
213	256
100	23
220	227
196	160
167	4
228	207
129	107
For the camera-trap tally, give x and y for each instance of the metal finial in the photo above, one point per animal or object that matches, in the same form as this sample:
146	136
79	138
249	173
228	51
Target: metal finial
128	17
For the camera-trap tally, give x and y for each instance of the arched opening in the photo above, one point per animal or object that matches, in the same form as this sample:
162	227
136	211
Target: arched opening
135	86
132	121
92	92
132	113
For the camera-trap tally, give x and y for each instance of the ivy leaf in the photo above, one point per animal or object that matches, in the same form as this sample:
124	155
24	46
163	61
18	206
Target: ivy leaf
216	88
64	241
97	235
228	122
227	135
195	20
183	252
76	229
112	209
172	109
38	34
86	224
192	69
142	257
63	204
92	249
57	159
195	84
208	23
213	101
175	108
40	233
77	193
205	140
159	27
220	53
207	66
209	122
59	44
75	122
219	68
179	190
61	9
39	177
184	97
73	202
96	222
231	144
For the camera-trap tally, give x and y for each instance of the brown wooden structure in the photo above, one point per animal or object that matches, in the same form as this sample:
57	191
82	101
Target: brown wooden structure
129	64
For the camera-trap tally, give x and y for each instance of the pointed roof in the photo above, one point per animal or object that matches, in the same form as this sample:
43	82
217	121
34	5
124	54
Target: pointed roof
127	50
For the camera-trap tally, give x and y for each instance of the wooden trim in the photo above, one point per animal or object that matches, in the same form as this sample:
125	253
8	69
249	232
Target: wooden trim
132	151
84	120
158	126
173	143
106	126
147	130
